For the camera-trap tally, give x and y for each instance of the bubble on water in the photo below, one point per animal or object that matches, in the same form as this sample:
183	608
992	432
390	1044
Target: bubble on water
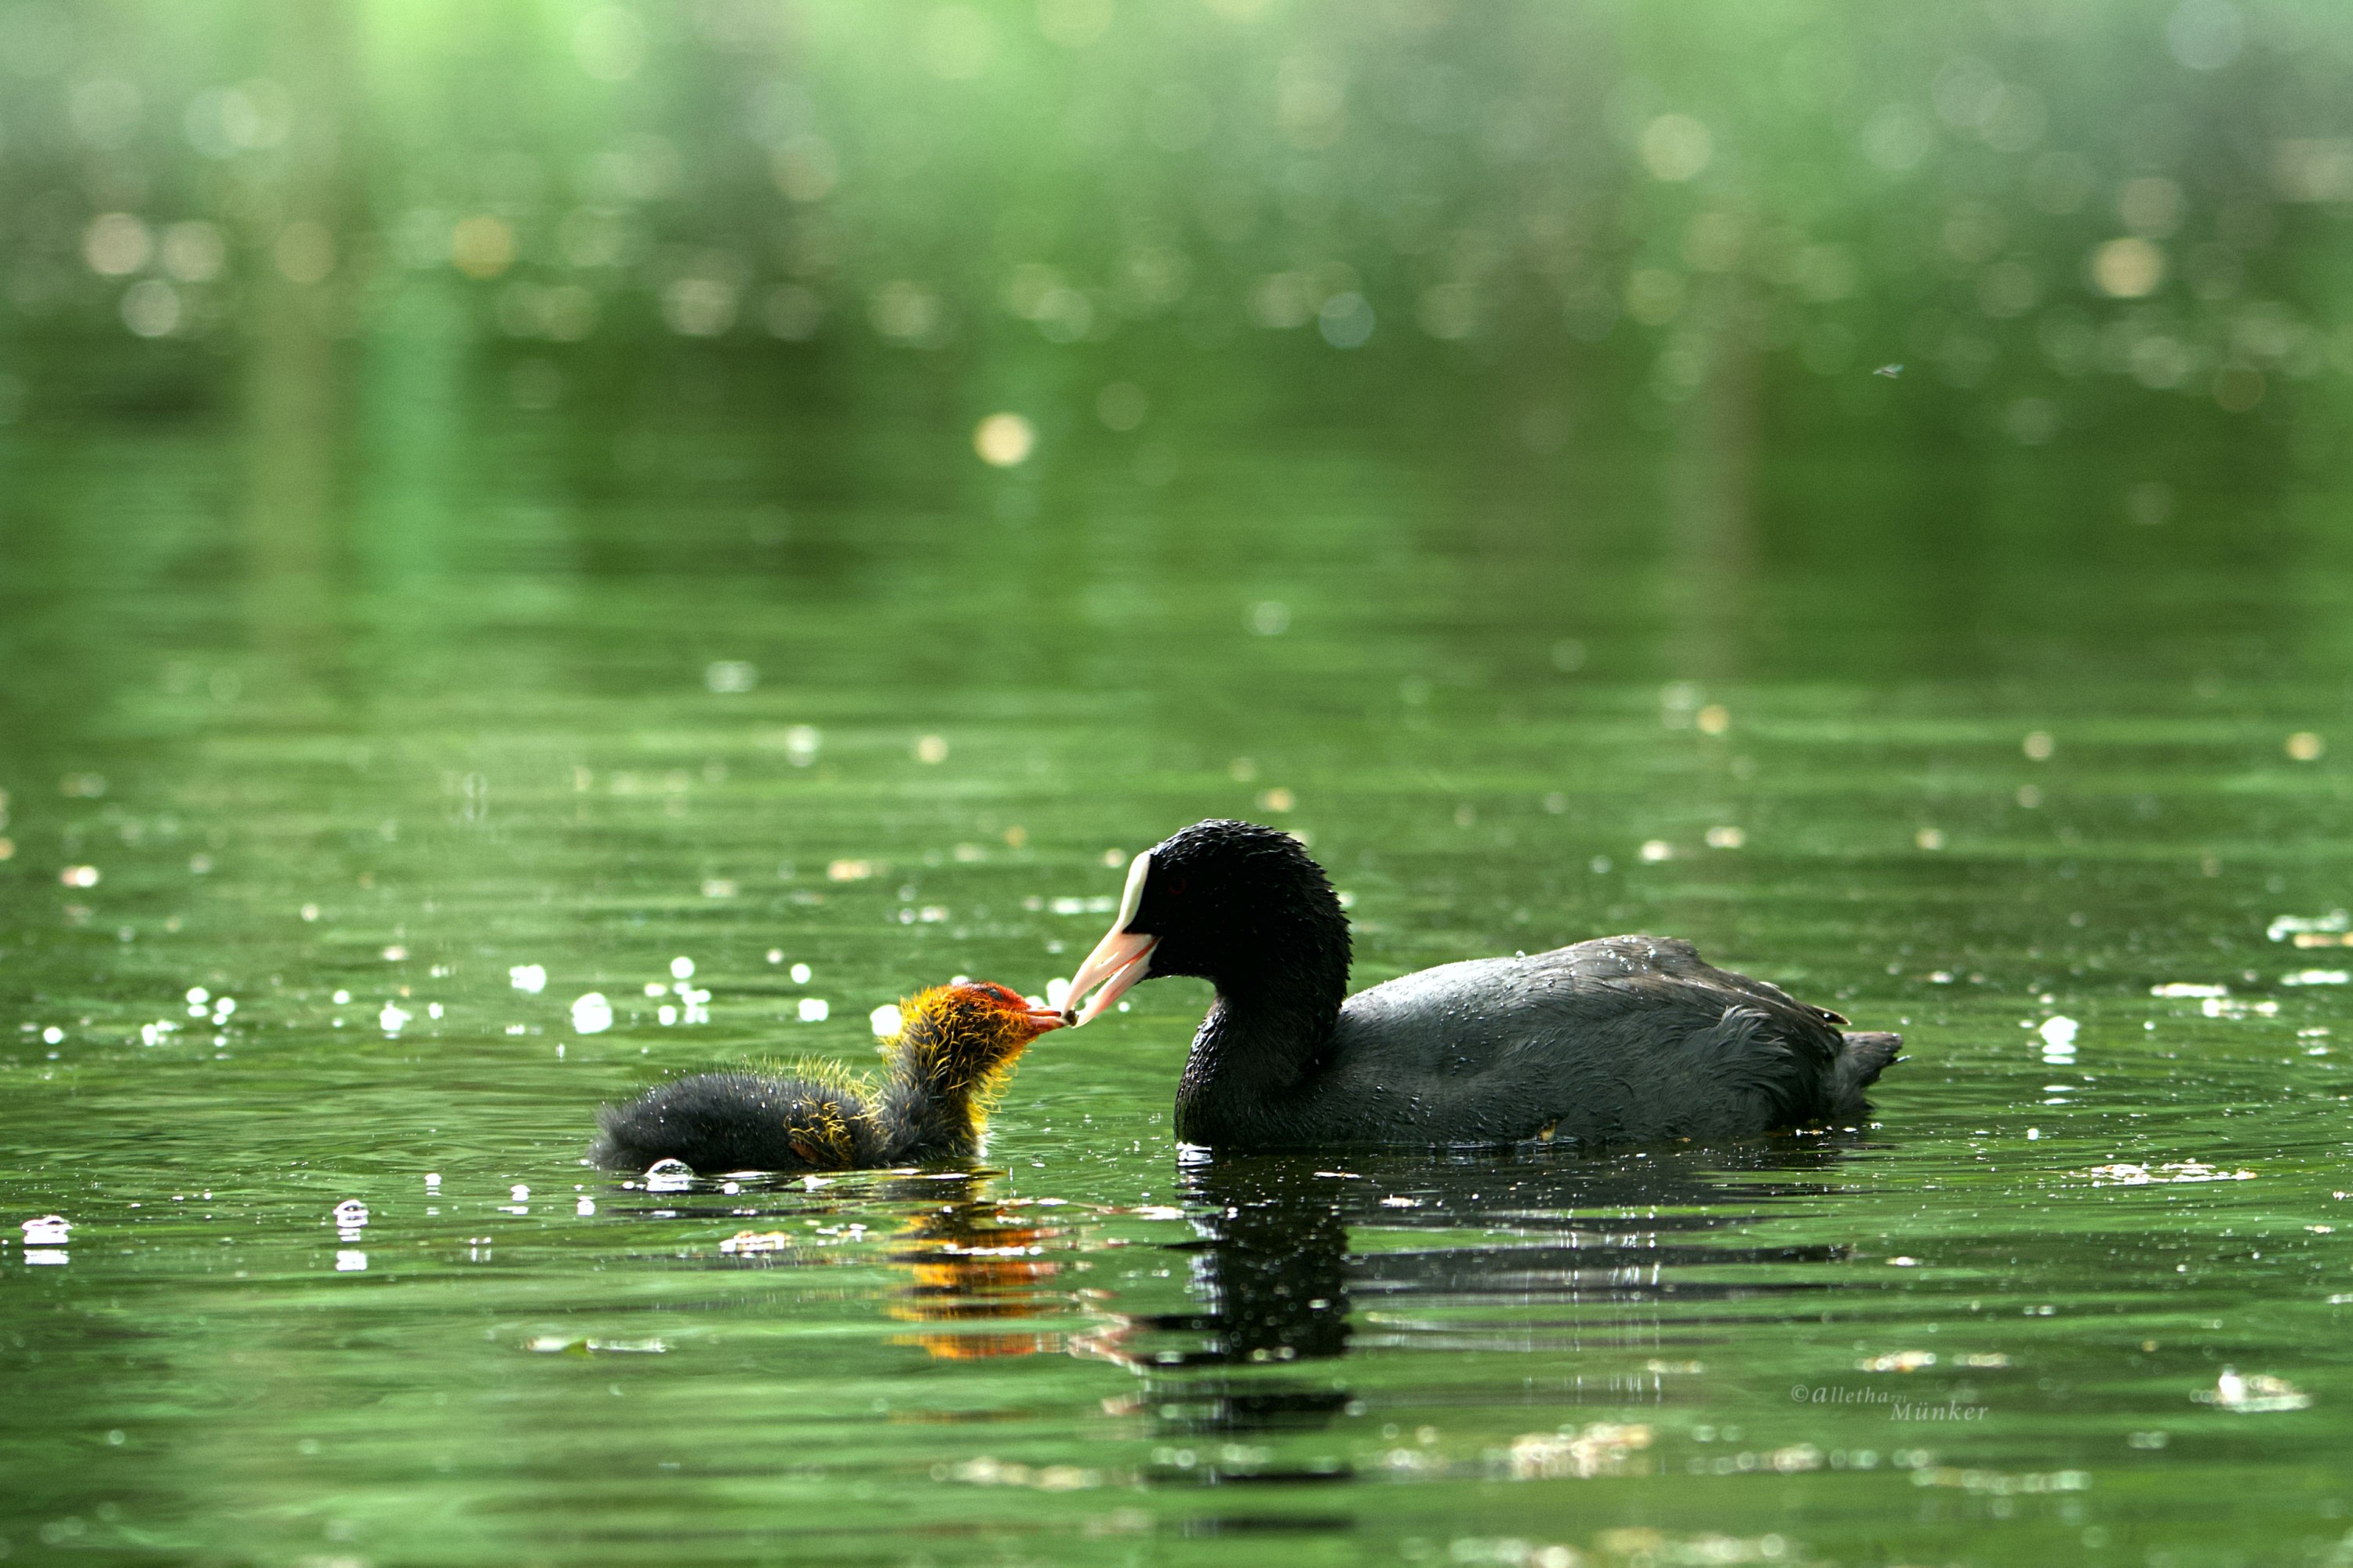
682	969
885	1021
801	973
1058	992
1655	850
584	1206
669	1176
351	1214
433	1181
591	1013
342	998
814	1010
350	1260
50	1230
528	978
392	1018
2059	1033
198	995
666	1015
776	955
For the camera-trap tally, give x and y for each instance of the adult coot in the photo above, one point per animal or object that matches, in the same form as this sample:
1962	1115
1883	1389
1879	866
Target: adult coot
1626	1038
954	1046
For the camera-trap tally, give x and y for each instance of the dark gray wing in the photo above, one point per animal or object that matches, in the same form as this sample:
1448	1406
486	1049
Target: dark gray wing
1632	1037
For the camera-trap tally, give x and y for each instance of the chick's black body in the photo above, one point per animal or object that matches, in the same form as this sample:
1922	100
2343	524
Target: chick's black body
1624	1038
954	1047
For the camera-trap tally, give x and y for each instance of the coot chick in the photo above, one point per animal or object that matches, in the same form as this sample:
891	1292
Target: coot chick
955	1047
1622	1039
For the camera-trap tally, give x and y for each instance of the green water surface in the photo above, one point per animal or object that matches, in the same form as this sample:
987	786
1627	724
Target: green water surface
384	656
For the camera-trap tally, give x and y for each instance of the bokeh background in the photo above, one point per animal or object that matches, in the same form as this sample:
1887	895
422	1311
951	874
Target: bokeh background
545	544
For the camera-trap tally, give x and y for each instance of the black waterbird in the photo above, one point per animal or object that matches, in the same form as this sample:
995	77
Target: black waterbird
1621	1039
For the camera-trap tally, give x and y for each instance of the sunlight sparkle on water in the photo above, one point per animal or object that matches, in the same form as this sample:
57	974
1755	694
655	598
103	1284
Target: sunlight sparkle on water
1004	441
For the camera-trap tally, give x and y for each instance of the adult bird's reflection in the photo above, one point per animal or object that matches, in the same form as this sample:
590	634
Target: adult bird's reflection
1534	1249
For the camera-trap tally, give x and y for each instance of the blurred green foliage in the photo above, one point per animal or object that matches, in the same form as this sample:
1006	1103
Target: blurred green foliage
2050	208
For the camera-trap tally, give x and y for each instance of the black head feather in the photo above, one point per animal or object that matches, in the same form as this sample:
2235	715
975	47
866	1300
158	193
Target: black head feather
1246	908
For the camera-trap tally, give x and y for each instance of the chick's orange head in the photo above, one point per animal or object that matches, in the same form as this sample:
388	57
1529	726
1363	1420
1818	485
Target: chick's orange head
983	1014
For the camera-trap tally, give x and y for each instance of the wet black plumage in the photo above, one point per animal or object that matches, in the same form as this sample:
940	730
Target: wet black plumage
954	1048
1624	1038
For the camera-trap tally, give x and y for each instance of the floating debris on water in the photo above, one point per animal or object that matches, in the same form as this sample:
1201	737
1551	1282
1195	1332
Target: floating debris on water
985	1471
2336	922
2229	1007
1602	1449
562	1345
2000	1484
750	1243
2252	1394
2127	1174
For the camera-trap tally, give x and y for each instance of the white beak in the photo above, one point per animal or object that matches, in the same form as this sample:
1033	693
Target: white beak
1120	958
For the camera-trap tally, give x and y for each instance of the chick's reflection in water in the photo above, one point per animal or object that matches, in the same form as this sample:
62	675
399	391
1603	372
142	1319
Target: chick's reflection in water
974	1261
